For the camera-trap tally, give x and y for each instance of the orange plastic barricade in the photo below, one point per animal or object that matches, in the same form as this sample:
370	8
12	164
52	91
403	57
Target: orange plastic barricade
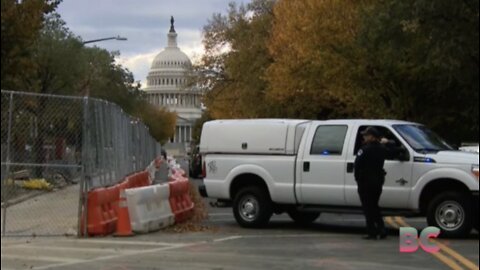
123	185
179	171
139	179
101	214
103	205
180	201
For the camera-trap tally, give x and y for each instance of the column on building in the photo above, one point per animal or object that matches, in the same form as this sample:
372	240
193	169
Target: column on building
184	133
181	134
175	135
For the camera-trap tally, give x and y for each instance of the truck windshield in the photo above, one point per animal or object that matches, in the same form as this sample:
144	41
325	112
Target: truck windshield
422	139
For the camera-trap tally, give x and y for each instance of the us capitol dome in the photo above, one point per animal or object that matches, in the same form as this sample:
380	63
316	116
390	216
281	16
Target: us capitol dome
167	87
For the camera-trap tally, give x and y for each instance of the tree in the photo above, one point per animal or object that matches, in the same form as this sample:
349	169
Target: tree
197	128
421	58
21	25
160	122
311	46
58	60
235	61
60	64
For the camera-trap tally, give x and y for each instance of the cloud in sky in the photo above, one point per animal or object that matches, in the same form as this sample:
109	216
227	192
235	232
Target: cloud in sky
144	22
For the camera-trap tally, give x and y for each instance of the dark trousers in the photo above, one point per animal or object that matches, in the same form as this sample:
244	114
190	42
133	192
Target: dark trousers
369	196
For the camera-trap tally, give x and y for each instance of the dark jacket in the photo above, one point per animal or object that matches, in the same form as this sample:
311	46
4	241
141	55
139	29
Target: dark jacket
369	164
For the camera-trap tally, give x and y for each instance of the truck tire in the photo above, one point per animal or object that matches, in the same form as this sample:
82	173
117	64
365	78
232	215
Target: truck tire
252	207
451	212
303	218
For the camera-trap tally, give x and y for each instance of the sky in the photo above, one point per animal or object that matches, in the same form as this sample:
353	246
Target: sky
145	23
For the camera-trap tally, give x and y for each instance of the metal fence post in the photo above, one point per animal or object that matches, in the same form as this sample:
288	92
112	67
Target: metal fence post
7	167
83	198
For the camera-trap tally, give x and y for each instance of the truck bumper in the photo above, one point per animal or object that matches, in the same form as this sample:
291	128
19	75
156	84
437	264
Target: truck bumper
203	191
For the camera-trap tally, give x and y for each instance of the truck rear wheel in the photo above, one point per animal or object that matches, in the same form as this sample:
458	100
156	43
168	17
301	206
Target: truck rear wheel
303	218
451	212
252	207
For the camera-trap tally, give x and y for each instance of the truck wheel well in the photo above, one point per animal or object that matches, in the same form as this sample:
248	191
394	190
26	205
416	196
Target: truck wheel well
244	180
436	187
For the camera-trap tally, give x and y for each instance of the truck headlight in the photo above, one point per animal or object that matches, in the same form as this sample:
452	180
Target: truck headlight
475	170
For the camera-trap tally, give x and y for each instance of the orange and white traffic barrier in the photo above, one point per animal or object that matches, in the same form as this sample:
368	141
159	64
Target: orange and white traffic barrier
149	208
180	201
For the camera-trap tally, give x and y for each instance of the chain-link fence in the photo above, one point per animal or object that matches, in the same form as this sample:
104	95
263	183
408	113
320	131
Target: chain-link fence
56	148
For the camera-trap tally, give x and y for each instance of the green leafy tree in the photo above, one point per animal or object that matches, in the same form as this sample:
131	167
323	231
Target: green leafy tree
421	62
21	24
235	60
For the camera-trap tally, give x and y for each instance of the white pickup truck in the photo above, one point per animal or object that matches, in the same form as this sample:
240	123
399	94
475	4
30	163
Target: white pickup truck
303	167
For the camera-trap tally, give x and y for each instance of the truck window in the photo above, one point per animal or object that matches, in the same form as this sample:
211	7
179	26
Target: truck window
384	132
328	140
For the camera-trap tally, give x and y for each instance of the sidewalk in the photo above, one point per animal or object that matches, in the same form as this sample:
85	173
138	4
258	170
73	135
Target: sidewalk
52	213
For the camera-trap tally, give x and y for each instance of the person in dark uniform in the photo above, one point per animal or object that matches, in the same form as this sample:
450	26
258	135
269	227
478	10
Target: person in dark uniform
370	177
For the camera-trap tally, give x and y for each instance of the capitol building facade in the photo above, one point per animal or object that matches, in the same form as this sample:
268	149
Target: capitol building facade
167	86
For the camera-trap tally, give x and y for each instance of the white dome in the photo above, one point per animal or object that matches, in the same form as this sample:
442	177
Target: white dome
171	57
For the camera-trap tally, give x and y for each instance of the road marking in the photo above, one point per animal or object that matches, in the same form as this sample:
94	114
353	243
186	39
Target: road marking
120	242
449	262
41	258
228	238
390	222
109	257
132	253
466	262
402	223
82	249
469	264
319	235
65	262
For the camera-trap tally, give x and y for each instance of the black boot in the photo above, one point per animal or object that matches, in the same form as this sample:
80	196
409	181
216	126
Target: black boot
383	234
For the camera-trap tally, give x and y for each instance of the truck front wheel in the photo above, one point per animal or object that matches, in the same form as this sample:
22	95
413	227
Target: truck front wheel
451	212
252	207
303	218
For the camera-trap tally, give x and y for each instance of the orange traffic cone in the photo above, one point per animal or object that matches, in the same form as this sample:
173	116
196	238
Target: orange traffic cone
123	222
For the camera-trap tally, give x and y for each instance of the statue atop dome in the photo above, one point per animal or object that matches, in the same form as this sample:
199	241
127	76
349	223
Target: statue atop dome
172	21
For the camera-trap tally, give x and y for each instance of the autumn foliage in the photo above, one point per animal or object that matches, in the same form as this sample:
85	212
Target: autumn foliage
323	59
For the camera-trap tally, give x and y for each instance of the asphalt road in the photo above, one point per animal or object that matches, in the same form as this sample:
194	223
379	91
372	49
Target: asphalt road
332	242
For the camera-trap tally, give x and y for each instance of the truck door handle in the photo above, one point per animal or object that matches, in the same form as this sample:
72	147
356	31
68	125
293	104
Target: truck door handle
306	166
350	167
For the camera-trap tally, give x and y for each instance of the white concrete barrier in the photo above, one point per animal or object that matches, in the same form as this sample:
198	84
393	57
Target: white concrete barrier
149	208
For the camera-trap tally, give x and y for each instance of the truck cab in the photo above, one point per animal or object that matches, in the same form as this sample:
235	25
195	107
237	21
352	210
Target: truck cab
306	167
